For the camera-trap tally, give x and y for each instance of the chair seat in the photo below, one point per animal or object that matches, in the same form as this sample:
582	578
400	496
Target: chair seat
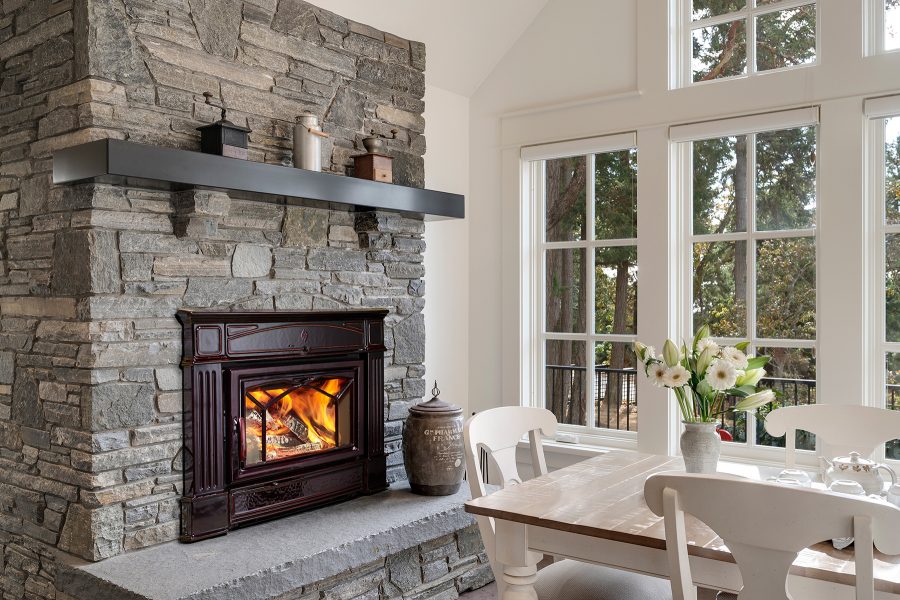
573	580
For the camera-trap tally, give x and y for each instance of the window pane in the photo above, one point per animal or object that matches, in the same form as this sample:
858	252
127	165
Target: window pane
565	198
616	282
615	190
565	290
892	169
566	382
792	373
719	51
720	288
891	24
615	389
892	397
786	179
702	9
786	38
720	185
892	287
786	288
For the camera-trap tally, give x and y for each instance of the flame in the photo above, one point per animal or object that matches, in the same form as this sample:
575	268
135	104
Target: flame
316	410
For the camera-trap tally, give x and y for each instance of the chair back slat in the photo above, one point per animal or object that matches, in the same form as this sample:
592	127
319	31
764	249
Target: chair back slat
766	525
839	429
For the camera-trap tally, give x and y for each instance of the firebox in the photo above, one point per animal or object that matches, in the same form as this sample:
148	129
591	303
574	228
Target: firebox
283	412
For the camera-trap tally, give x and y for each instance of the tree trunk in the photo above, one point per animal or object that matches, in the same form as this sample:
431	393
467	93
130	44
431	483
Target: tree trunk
614	379
565	182
740	221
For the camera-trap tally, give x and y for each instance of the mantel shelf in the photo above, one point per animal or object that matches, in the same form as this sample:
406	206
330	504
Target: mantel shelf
118	160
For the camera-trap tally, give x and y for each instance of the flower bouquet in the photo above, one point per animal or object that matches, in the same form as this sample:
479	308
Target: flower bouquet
703	376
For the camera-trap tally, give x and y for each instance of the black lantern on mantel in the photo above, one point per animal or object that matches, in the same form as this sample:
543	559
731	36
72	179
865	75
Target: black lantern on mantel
223	137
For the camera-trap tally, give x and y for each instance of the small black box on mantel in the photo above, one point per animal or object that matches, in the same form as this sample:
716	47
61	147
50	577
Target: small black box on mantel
223	137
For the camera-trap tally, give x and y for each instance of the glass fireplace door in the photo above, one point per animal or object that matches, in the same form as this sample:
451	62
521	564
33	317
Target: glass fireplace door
292	417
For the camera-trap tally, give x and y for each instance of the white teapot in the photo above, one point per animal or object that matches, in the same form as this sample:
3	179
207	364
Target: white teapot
859	469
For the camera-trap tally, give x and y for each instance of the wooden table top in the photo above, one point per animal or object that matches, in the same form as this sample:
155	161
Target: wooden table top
603	497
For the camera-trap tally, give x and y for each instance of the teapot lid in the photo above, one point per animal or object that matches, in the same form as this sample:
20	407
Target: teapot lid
854	459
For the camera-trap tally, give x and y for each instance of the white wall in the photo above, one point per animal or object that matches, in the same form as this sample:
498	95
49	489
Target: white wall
573	51
447	253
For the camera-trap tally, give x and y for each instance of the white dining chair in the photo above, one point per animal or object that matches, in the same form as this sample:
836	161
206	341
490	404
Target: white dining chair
766	541
839	429
498	432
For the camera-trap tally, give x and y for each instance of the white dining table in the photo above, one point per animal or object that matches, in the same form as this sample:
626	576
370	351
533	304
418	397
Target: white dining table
594	511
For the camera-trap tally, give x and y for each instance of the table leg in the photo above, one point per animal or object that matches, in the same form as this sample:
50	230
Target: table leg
519	565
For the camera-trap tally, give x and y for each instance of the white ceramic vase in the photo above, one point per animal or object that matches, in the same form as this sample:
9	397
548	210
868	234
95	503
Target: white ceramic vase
700	447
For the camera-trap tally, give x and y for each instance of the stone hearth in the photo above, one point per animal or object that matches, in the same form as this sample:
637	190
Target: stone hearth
91	275
390	545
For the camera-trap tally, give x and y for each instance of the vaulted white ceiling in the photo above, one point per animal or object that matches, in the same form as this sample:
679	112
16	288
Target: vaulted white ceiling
464	39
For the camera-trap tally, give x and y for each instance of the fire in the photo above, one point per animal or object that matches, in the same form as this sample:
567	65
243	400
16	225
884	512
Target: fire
293	420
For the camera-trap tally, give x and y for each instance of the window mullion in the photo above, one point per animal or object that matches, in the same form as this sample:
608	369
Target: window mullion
590	289
751	42
539	185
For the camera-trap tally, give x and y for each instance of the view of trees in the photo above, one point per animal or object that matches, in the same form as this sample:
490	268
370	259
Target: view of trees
615	276
784	38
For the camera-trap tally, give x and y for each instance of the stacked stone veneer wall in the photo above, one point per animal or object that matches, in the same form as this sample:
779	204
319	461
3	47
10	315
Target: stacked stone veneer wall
91	275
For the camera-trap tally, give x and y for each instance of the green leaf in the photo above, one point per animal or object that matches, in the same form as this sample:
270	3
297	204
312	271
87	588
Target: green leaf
742	346
736	392
757	362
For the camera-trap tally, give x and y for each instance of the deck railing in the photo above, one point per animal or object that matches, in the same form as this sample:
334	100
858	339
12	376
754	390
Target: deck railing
615	403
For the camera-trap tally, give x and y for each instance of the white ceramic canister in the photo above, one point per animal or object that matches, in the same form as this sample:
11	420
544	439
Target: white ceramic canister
308	142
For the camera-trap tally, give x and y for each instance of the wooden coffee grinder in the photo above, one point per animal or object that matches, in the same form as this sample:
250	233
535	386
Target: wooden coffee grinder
375	164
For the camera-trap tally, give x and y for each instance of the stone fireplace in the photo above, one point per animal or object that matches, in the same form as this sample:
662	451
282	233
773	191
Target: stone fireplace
93	275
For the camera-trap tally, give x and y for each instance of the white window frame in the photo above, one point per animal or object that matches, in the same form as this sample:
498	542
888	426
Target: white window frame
532	166
874	34
683	28
877	110
683	136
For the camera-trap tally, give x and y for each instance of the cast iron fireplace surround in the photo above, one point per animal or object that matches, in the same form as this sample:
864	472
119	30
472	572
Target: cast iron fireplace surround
283	411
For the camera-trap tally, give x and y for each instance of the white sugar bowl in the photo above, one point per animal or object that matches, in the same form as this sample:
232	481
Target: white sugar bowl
893	495
859	469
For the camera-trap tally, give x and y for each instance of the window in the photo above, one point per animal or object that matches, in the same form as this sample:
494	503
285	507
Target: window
891	24
885	134
729	38
884	29
751	264
586	274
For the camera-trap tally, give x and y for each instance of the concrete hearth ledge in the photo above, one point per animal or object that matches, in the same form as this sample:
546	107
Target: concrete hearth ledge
263	561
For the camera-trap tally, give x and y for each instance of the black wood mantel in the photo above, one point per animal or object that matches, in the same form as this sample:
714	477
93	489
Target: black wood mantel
117	160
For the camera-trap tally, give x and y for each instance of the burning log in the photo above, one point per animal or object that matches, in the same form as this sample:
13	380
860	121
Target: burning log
297	427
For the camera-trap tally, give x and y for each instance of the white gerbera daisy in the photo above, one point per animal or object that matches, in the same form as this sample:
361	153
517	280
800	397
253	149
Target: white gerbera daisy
735	357
707	343
676	376
721	375
657	374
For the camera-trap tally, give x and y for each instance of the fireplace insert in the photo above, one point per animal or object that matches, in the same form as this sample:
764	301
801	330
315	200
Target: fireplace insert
283	411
